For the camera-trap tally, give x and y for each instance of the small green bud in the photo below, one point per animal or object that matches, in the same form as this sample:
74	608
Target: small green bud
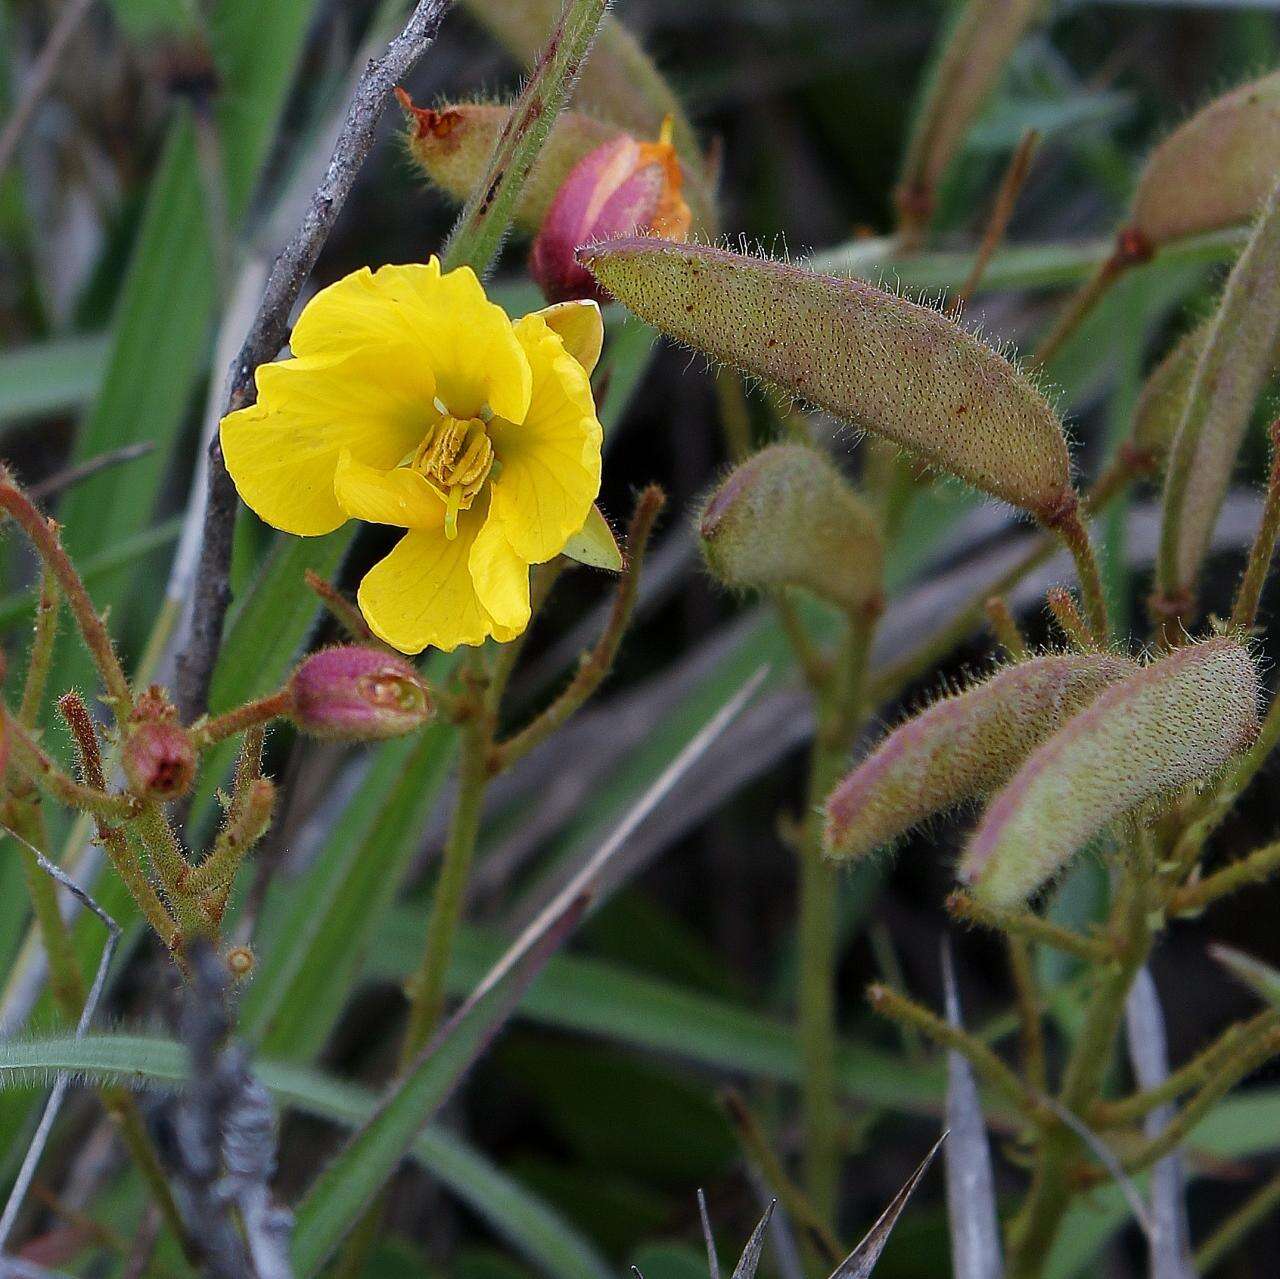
1177	721
884	364
961	747
787	517
1213	170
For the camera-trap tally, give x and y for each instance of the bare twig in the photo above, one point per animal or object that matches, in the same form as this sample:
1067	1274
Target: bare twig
267	335
72	475
40	77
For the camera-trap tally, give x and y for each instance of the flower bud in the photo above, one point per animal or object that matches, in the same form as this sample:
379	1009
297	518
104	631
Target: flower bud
787	517
357	694
620	188
1177	721
962	746
159	759
453	143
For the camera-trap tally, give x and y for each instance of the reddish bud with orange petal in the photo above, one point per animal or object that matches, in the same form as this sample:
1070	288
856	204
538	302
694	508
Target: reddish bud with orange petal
622	187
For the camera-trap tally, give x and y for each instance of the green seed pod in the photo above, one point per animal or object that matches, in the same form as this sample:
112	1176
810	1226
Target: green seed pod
886	365
787	517
452	144
1229	376
1213	170
1163	400
1177	721
973	54
961	747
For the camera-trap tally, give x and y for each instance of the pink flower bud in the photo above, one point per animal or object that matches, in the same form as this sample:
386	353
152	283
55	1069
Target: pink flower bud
159	759
622	187
357	694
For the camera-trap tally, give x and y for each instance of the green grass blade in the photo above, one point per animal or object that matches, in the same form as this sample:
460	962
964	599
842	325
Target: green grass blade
50	377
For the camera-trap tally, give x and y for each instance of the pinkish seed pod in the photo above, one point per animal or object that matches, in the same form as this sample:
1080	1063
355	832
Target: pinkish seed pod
1178	720
961	747
159	759
357	694
617	189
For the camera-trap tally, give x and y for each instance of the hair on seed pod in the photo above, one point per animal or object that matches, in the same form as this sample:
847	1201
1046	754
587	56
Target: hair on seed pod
964	745
877	361
1176	721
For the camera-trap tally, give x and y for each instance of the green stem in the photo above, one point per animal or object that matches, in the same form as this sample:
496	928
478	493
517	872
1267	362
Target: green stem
1034	1229
427	987
1075	536
839	701
1232	1233
46	631
486	216
252	714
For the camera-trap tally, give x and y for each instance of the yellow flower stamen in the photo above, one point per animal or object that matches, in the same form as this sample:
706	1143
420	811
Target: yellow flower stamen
456	457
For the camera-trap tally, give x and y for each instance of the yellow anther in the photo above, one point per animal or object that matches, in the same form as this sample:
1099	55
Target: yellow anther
455	457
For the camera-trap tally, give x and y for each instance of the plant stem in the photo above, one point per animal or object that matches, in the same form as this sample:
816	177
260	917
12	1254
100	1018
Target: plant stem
427	987
486	216
756	1148
1245	611
1029	1013
1232	1233
1090	293
598	662
1033	1230
344	612
1032	927
252	714
44	537
33	689
1256	868
986	1065
1075	537
1200	1070
840	702
35	762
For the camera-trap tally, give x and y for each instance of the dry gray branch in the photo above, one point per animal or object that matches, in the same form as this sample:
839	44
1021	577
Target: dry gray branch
267	335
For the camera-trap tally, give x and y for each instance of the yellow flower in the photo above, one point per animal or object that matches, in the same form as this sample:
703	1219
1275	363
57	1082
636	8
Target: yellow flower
412	400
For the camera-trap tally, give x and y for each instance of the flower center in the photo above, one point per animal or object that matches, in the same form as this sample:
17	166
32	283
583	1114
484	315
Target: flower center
455	457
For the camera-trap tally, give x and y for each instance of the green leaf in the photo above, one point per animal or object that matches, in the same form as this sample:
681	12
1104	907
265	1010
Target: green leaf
324	925
50	377
605	1000
347	1185
511	1210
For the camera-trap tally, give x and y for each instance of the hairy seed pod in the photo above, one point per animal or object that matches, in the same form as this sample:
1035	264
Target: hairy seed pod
452	144
1213	170
159	759
1177	721
787	517
977	45
1163	399
884	364
1229	376
961	747
353	693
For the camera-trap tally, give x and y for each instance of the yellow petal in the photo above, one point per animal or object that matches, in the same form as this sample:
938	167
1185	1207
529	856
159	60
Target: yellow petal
283	451
423	595
501	578
399	497
580	327
444	321
551	461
